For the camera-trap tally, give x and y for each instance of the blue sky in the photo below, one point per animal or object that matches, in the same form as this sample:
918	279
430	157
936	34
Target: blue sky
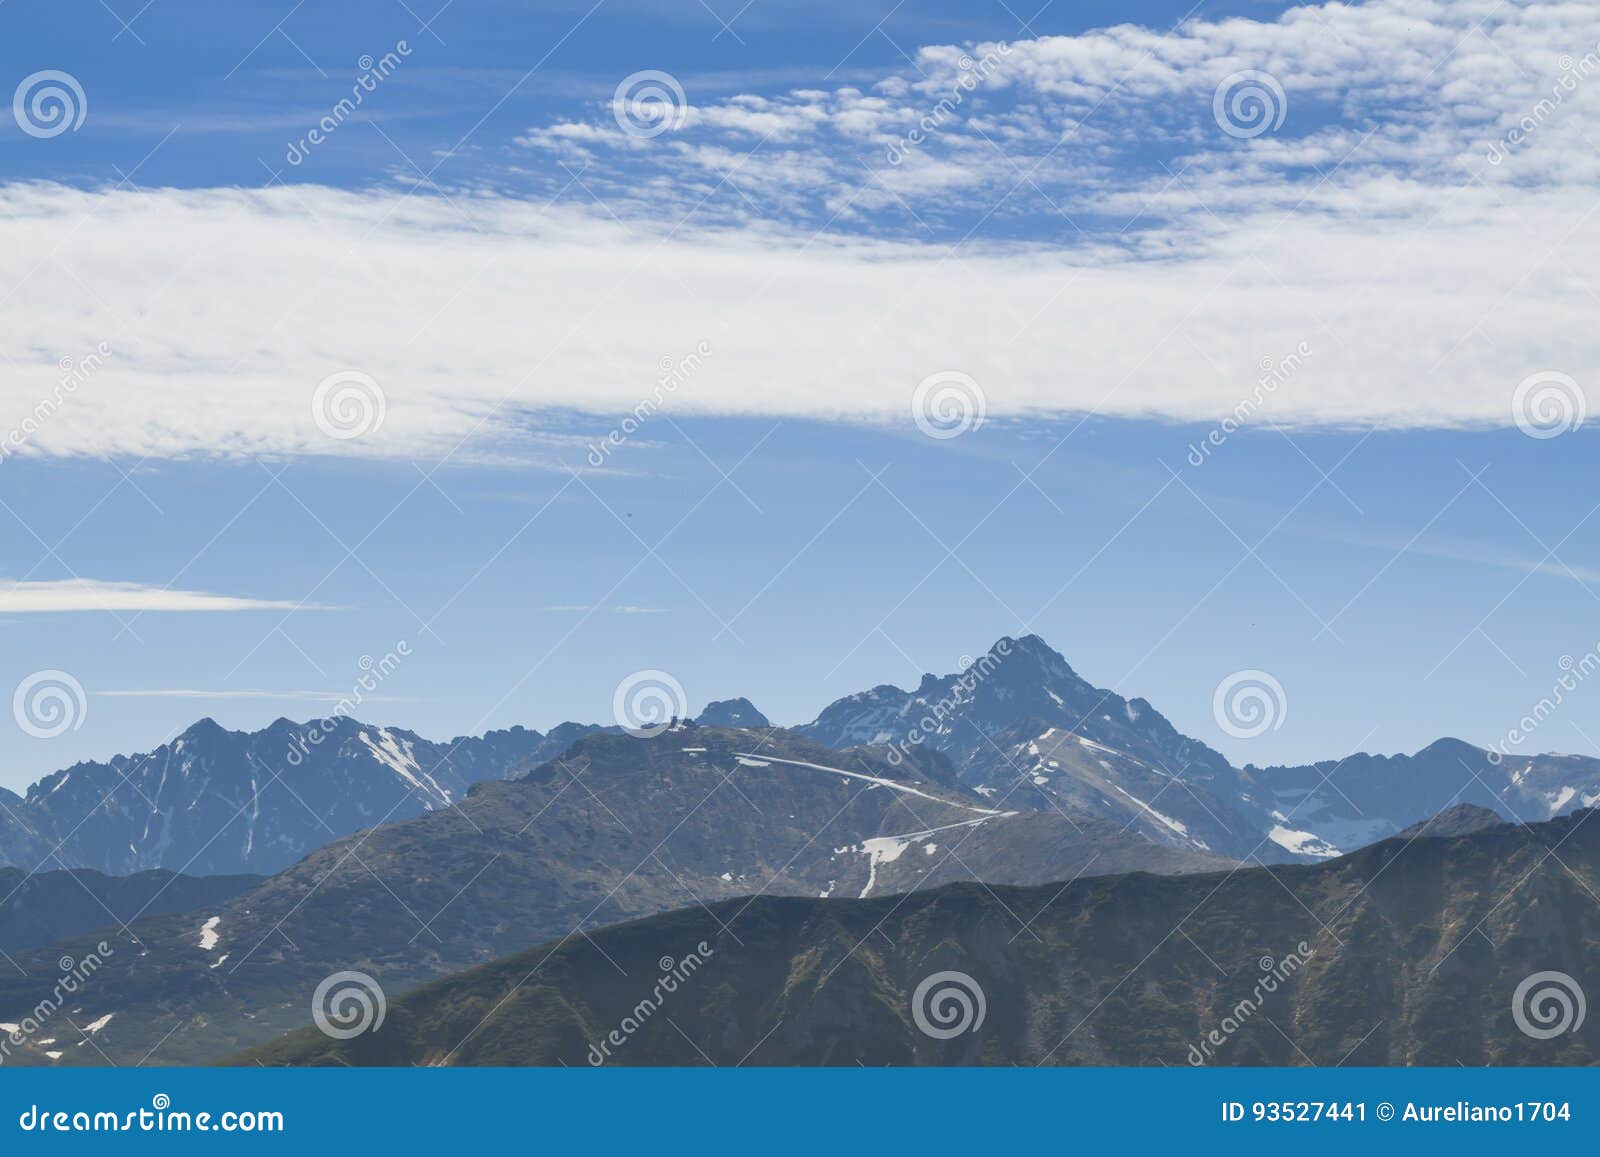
247	81
1081	244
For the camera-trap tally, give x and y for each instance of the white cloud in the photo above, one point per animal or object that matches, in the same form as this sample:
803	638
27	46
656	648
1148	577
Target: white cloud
1078	126
618	609
1427	281
242	693
92	595
1461	550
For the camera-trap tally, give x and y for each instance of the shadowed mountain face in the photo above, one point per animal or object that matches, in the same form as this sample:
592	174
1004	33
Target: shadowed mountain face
616	828
1405	953
48	906
215	801
1460	820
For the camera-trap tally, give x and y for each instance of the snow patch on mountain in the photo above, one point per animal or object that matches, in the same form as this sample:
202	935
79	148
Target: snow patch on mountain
883	850
751	761
1298	842
888	849
1560	799
396	753
1178	827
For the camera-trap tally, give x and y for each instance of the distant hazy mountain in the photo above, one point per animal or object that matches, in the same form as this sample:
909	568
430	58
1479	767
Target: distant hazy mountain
215	801
1405	953
1354	801
617	827
45	907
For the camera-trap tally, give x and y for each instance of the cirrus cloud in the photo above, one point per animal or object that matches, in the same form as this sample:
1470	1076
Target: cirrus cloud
55	596
1114	253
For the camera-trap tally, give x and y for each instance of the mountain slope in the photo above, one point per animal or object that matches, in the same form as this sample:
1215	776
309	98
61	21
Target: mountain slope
1461	820
49	906
215	802
1405	953
616	828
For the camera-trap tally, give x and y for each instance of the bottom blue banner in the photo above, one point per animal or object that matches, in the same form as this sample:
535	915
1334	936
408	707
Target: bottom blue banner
796	1111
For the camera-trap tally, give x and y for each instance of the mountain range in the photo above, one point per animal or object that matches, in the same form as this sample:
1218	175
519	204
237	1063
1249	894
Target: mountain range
615	828
1018	725
1021	725
413	860
214	802
1416	951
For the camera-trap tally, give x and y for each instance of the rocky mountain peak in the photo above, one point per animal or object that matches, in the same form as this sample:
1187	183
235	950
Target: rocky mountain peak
740	713
1451	748
203	727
